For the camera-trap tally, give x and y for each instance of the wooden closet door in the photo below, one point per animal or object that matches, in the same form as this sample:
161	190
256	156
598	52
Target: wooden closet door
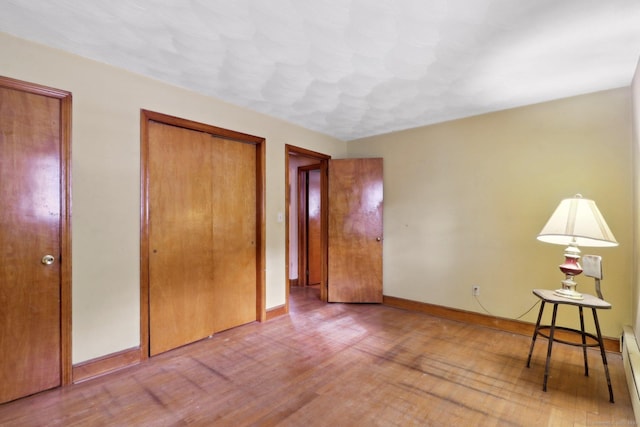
181	259
234	232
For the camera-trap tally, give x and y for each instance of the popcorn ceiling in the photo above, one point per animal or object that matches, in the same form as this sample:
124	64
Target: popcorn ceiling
352	68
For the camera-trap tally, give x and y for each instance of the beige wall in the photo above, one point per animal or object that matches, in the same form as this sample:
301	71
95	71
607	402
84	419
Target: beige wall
106	182
635	93
465	200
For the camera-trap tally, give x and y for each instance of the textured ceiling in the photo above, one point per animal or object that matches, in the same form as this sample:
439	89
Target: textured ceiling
352	68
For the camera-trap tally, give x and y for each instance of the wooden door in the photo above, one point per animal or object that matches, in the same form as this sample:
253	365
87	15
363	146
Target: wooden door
32	218
180	237
203	235
234	233
309	213
314	230
355	230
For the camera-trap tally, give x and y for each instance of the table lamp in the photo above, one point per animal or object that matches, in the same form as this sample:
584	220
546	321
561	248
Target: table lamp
576	222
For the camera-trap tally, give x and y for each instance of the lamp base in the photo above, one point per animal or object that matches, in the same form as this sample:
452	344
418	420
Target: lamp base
570	267
568	293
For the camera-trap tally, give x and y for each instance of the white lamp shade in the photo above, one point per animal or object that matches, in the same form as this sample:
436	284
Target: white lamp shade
577	220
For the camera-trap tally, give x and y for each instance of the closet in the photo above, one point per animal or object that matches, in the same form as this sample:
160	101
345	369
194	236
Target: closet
203	233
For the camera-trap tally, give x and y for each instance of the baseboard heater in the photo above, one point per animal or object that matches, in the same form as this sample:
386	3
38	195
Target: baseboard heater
631	361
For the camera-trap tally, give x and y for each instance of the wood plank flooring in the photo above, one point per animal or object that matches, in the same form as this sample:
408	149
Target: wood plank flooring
343	365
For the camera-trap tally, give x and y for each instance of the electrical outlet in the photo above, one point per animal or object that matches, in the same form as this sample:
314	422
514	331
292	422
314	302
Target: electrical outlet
475	289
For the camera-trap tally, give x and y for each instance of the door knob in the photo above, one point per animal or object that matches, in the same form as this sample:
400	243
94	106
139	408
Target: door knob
48	259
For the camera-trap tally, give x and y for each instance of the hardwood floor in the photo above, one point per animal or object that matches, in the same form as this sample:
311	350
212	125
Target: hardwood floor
343	365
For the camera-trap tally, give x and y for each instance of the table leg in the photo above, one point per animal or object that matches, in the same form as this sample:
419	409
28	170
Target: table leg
604	355
552	330
535	333
584	343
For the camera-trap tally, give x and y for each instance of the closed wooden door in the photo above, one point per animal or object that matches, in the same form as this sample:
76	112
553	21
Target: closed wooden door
30	229
180	237
314	229
234	233
355	230
202	235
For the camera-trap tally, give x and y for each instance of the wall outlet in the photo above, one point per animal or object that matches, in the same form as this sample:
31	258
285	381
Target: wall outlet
475	289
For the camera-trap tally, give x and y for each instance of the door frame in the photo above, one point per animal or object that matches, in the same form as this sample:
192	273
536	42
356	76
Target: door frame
65	99
291	184
147	116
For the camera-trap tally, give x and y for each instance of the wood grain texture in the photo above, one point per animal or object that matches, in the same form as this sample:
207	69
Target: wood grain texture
65	99
355	230
181	259
276	312
234	242
309	227
342	365
202	231
301	226
106	364
499	323
291	181
314	229
31	218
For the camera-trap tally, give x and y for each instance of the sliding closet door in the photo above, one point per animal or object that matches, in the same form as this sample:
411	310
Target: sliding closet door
181	287
202	231
234	233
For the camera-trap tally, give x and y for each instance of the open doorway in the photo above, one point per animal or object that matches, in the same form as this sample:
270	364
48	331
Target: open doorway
305	253
351	206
